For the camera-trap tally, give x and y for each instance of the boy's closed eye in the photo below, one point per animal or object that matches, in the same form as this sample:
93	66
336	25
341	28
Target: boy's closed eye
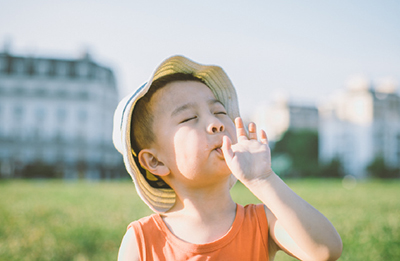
218	109
195	117
188	119
220	113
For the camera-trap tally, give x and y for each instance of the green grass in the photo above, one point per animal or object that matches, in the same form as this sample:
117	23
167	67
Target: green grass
56	220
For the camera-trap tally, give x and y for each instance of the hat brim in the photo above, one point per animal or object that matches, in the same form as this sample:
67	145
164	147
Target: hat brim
162	199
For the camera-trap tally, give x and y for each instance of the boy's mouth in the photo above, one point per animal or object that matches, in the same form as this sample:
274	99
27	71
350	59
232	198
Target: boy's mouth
218	149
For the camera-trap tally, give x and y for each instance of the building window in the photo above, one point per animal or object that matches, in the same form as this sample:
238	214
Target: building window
39	155
83	69
62	68
42	67
2	64
92	72
71	69
40	92
61	93
1	125
82	115
52	67
398	150
36	133
83	95
18	112
60	155
61	115
101	74
40	114
80	137
18	90
18	66
16	132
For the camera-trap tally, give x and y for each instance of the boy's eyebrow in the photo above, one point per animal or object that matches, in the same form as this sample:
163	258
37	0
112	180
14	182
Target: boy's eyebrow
214	101
182	108
191	105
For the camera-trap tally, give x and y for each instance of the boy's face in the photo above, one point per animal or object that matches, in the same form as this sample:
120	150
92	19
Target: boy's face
189	124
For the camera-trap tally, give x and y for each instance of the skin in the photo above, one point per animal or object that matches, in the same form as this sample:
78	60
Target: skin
199	173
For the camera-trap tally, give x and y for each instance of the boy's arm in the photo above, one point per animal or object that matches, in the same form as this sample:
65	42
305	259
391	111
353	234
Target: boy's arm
295	226
128	251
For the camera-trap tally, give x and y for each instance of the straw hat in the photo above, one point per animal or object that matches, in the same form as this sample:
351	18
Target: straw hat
153	191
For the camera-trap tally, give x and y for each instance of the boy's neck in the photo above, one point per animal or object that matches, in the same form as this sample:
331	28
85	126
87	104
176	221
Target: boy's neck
201	216
203	202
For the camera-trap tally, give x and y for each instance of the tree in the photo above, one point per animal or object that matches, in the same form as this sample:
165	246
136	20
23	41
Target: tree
302	148
378	169
39	169
333	169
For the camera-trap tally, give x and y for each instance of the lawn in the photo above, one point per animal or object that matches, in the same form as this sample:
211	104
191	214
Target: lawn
60	220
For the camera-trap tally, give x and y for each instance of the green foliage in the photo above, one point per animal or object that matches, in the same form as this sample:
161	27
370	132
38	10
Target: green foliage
378	169
333	169
302	149
59	220
39	169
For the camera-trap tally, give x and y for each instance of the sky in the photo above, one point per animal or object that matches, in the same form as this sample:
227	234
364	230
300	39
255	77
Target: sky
305	50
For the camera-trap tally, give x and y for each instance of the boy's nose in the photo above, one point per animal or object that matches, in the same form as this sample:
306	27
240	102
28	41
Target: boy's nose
215	127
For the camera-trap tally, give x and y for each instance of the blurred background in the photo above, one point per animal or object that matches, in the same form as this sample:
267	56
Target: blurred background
323	74
322	78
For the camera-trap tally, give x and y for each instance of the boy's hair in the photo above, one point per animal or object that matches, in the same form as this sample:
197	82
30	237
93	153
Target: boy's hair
142	135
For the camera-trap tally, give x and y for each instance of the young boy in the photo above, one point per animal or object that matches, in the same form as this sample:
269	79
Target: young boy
185	145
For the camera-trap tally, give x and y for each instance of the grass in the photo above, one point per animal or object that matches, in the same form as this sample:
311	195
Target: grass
59	220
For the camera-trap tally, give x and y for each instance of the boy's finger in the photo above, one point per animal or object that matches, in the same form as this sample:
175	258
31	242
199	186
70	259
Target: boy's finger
240	130
252	131
227	148
263	137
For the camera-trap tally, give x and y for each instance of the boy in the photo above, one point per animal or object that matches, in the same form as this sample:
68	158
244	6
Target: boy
185	145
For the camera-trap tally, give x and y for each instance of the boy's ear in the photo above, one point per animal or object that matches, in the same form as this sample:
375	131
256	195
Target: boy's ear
149	161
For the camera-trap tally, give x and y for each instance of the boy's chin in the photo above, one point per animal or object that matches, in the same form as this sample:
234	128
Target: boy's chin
224	170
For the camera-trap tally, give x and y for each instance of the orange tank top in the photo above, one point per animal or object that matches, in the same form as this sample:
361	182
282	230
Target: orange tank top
247	239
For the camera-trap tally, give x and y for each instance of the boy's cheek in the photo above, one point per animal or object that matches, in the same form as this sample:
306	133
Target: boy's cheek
234	139
231	131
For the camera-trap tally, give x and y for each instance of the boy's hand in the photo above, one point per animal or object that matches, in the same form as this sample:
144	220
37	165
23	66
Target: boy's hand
296	227
248	159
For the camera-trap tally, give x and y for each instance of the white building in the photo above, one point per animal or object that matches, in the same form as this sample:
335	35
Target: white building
59	112
359	125
282	115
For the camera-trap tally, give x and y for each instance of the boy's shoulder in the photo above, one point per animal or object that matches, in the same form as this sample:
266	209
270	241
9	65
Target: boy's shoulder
144	221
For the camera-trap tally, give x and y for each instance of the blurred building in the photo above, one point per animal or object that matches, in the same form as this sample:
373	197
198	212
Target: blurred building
360	124
282	115
59	112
